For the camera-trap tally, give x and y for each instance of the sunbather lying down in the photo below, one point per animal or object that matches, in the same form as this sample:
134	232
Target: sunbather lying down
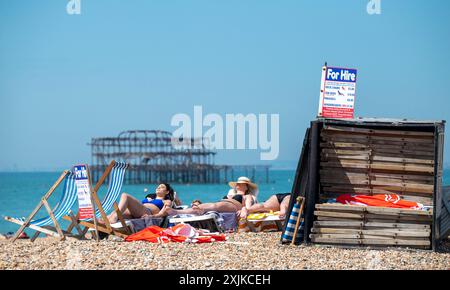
225	205
131	207
243	197
277	202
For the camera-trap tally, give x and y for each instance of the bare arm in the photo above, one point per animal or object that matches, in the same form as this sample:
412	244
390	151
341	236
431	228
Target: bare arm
248	202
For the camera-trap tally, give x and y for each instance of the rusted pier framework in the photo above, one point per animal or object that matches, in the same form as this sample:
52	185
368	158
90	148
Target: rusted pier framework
153	159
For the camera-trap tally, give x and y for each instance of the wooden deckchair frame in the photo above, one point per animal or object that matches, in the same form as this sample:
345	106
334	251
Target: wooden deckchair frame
55	231
107	228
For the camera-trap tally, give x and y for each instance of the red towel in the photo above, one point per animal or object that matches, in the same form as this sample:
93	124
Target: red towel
178	233
382	200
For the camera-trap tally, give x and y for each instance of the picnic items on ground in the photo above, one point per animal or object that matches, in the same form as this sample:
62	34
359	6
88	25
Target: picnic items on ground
178	233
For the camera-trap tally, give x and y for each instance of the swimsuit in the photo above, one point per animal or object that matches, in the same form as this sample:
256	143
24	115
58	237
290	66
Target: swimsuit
236	197
281	196
158	202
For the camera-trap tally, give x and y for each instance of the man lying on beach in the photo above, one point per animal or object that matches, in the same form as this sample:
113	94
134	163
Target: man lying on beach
130	207
242	195
277	202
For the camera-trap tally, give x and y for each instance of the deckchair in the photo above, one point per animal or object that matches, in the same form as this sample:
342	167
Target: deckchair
43	225
116	172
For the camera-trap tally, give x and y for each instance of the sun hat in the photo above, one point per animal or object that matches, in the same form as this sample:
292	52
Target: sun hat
252	186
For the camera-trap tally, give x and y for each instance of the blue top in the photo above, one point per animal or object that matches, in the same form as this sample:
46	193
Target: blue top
158	202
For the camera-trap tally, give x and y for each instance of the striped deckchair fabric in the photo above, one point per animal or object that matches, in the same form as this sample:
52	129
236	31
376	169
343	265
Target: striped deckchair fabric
116	177
43	225
290	227
116	174
62	208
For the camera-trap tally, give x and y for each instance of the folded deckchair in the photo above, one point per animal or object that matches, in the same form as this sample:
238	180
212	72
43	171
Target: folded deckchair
116	172
43	225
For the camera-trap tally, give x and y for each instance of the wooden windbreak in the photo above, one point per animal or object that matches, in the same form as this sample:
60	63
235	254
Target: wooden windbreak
371	226
376	161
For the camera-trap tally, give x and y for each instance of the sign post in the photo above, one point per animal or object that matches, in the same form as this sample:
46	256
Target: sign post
337	93
86	208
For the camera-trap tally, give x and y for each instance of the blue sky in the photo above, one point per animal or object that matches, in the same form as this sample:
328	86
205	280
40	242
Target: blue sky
134	64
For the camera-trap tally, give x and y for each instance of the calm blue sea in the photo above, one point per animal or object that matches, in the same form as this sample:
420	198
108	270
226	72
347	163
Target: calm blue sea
21	192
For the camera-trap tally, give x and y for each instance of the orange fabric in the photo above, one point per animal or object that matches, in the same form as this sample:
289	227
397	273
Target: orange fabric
178	233
382	200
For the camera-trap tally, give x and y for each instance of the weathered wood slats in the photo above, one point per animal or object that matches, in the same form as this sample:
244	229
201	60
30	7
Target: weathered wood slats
380	233
367	225
374	157
372	161
404	167
371	226
376	220
378	132
373	242
340	173
370	209
375	161
378	147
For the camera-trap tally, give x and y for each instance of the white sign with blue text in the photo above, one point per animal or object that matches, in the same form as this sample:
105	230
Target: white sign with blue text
85	209
337	93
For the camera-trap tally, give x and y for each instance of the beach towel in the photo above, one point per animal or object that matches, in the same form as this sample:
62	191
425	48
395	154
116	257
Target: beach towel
258	222
181	233
382	200
262	215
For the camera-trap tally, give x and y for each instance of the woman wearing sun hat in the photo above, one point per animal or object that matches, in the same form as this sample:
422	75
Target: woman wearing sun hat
243	186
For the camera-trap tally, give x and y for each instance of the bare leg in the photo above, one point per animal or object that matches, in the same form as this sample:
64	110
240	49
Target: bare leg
130	206
268	205
284	206
221	206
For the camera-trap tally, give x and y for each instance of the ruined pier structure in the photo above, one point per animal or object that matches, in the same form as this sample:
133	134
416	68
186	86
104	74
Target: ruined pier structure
153	159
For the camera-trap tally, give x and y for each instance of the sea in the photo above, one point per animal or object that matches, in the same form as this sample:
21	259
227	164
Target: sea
20	192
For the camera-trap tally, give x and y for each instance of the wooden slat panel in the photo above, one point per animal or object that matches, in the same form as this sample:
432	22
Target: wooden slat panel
380	166
339	214
375	220
368	242
375	147
369	138
372	209
341	173
356	130
403	144
381	184
367	157
385	232
385	185
380	151
359	236
362	224
375	139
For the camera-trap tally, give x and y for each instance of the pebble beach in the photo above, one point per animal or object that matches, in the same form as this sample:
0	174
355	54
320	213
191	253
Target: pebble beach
243	251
